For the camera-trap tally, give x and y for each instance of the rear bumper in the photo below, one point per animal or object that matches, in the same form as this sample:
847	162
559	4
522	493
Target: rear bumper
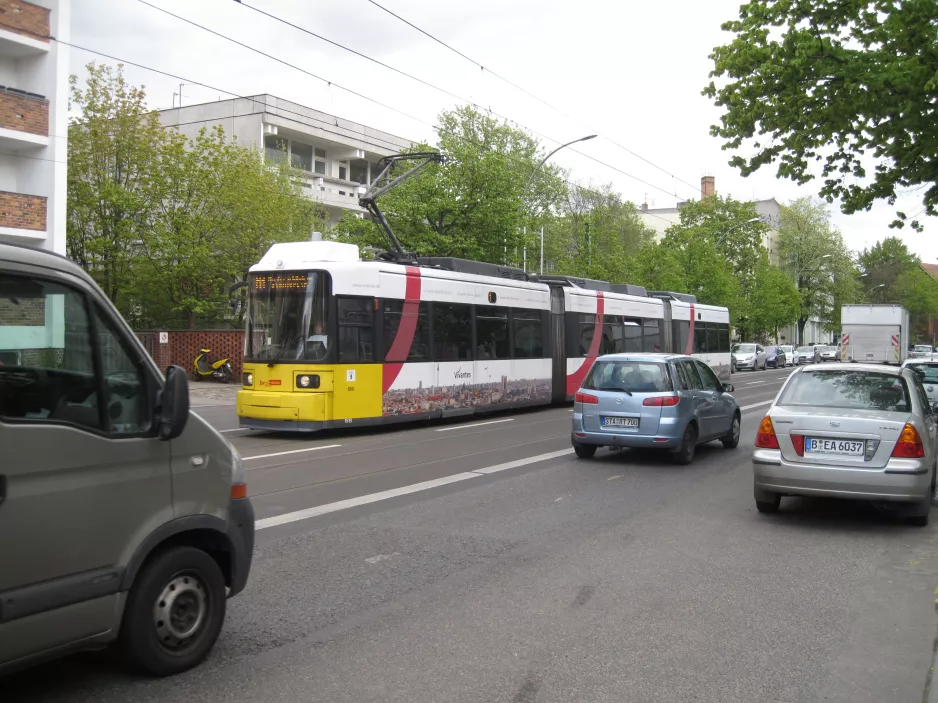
902	480
610	439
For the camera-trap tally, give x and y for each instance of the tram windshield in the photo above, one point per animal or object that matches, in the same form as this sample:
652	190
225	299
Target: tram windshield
287	318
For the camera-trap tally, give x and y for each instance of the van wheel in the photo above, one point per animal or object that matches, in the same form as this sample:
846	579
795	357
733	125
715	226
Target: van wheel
731	441
585	451
685	454
174	612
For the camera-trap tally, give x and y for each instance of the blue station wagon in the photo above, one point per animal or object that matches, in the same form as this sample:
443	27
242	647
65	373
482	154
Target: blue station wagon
666	401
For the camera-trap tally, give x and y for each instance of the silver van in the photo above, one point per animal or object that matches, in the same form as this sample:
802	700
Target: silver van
123	516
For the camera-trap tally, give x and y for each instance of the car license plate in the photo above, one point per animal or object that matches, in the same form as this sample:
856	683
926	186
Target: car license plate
839	447
620	421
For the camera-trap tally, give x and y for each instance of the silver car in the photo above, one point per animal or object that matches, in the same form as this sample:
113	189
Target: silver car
807	355
829	353
928	373
666	401
863	432
789	354
748	356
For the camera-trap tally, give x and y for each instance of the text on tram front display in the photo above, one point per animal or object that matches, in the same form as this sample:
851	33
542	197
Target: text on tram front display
298	281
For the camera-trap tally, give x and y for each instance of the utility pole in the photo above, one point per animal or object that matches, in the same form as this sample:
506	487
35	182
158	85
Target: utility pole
541	268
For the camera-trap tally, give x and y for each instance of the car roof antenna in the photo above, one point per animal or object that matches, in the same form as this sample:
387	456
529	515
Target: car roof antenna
382	184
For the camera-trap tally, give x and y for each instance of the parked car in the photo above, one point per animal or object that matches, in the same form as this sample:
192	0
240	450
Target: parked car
807	355
124	517
861	432
829	353
927	370
748	356
666	401
789	354
775	357
920	351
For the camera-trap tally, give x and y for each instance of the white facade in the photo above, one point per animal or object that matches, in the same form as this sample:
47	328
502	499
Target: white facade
337	155
33	122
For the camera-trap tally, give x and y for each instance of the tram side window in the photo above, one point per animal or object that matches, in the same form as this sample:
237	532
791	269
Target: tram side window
452	332
583	339
356	329
680	334
651	336
613	340
492	333
723	338
420	347
700	337
528	333
633	335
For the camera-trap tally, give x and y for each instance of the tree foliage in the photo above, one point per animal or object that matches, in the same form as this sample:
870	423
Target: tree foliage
165	223
850	84
815	257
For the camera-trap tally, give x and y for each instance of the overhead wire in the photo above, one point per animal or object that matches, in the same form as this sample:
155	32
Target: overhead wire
527	92
202	84
356	93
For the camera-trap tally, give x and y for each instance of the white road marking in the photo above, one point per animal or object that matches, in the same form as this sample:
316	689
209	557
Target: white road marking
382	557
752	383
474	424
613	478
402	491
292	451
757	405
559	499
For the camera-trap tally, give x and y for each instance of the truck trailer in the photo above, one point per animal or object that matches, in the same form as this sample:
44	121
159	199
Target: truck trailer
874	334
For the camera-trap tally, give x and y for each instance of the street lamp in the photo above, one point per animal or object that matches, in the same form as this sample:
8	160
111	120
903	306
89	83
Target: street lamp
881	285
531	178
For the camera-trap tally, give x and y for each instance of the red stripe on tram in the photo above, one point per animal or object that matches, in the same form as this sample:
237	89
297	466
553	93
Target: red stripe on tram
575	379
404	337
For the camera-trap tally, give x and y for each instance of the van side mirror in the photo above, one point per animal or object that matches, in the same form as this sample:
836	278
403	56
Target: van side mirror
728	388
173	406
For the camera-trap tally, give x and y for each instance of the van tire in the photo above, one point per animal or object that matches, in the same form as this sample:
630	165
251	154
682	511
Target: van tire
585	451
203	599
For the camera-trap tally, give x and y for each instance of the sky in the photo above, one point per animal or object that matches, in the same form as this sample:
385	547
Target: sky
628	71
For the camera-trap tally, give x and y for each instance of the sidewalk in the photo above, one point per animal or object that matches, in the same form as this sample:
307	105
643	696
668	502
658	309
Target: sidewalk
205	393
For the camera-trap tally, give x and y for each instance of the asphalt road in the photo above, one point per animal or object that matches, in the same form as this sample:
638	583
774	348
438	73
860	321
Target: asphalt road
501	568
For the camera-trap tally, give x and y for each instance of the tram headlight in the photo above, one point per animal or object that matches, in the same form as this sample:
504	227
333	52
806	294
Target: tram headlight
247	379
307	381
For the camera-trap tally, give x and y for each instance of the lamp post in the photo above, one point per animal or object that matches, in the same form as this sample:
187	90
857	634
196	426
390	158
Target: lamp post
881	285
528	183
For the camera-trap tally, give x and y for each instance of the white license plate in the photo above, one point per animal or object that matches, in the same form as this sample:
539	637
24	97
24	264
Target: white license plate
620	421
840	447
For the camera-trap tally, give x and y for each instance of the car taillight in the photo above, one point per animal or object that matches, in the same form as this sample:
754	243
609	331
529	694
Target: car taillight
765	436
239	491
798	441
661	401
586	398
909	445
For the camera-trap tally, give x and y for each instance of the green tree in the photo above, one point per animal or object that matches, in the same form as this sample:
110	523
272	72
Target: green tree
657	268
113	152
844	82
813	253
774	301
475	205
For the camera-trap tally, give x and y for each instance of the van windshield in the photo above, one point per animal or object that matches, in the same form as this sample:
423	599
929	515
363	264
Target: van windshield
631	376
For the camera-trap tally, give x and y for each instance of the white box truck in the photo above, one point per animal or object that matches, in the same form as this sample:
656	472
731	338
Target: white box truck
874	334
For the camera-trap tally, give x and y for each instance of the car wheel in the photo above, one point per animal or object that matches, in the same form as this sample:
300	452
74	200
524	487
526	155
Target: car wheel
584	451
685	455
769	506
731	441
924	507
174	612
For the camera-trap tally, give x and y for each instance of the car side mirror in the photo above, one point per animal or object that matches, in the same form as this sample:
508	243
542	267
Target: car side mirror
173	407
934	408
728	388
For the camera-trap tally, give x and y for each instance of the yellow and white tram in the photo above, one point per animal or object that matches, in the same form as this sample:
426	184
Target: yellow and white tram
333	341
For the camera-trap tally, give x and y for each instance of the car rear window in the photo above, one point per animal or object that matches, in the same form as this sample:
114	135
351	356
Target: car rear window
929	372
859	390
632	376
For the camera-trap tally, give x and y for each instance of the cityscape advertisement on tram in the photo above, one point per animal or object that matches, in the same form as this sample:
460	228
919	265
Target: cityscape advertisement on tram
334	341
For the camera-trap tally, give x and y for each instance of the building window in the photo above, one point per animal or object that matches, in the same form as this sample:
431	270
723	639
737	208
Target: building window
276	149
359	171
343	170
301	156
319	166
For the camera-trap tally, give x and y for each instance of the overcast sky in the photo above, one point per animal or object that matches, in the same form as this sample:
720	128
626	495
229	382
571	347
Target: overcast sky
631	71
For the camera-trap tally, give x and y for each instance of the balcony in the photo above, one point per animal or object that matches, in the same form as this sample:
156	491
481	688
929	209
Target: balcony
24	119
24	29
23	216
334	192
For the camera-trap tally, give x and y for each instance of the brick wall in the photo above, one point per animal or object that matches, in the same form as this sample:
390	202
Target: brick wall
25	18
24	113
184	345
29	312
22	211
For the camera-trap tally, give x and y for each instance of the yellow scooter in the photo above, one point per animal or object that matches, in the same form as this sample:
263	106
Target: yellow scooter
206	367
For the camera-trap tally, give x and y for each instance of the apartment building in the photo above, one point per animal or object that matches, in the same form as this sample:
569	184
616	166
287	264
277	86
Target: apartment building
33	122
336	155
